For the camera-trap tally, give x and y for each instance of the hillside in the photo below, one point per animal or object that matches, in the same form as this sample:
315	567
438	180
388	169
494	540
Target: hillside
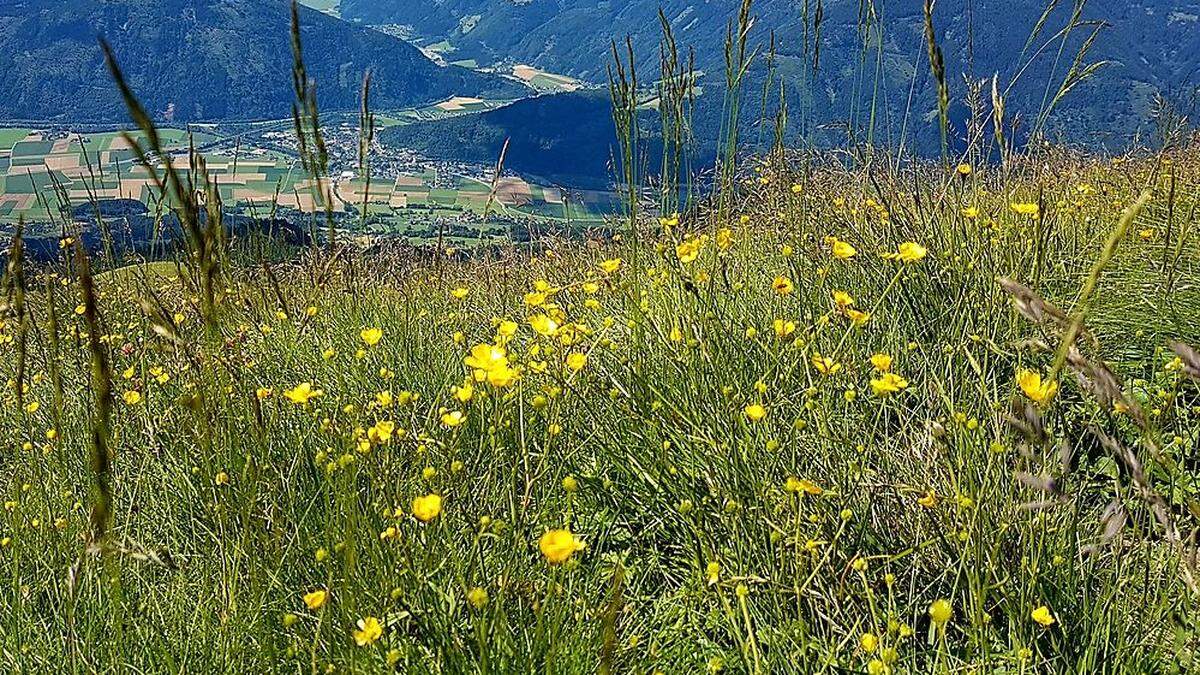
192	60
807	434
1150	47
568	138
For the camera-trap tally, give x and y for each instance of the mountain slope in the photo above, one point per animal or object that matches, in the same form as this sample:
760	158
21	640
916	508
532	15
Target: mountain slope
563	138
204	60
1151	47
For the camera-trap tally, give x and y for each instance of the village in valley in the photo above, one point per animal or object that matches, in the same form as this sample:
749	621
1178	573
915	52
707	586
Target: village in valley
58	169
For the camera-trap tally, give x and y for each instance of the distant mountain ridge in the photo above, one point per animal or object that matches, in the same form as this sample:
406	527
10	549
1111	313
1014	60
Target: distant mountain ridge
1150	47
205	60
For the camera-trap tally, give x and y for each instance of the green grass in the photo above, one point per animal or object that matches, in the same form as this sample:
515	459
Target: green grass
32	148
9	137
840	417
811	534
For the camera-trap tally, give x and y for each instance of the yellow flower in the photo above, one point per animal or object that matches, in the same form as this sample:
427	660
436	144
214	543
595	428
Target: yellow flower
610	266
724	238
840	249
804	485
382	431
315	600
783	285
755	412
486	357
940	611
881	362
859	319
478	597
535	299
825	365
888	383
868	642
502	376
460	293
1043	615
964	169
970	212
543	325
368	632
221	478
132	397
576	361
371	336
453	418
1030	209
712	572
928	500
559	545
1038	391
911	252
302	393
427	508
688	250
843	299
783	328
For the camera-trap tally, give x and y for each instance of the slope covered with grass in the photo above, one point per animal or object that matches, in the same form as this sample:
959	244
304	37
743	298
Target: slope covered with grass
809	433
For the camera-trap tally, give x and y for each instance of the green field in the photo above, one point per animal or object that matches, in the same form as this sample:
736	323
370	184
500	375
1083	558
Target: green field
248	184
328	6
9	137
36	163
805	435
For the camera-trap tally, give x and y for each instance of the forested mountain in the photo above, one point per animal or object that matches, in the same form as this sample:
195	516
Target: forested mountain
563	138
873	58
196	60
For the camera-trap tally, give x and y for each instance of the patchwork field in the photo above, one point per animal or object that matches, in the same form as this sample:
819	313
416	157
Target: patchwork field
451	107
41	169
544	81
412	206
42	172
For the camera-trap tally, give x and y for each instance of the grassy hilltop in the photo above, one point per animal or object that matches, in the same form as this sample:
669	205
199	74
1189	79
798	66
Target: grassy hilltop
805	435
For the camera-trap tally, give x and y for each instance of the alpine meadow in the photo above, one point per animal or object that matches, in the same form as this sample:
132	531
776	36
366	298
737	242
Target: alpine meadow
654	337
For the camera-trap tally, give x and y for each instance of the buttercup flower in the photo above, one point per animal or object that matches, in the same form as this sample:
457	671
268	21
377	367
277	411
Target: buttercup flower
368	632
427	508
1038	391
557	546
